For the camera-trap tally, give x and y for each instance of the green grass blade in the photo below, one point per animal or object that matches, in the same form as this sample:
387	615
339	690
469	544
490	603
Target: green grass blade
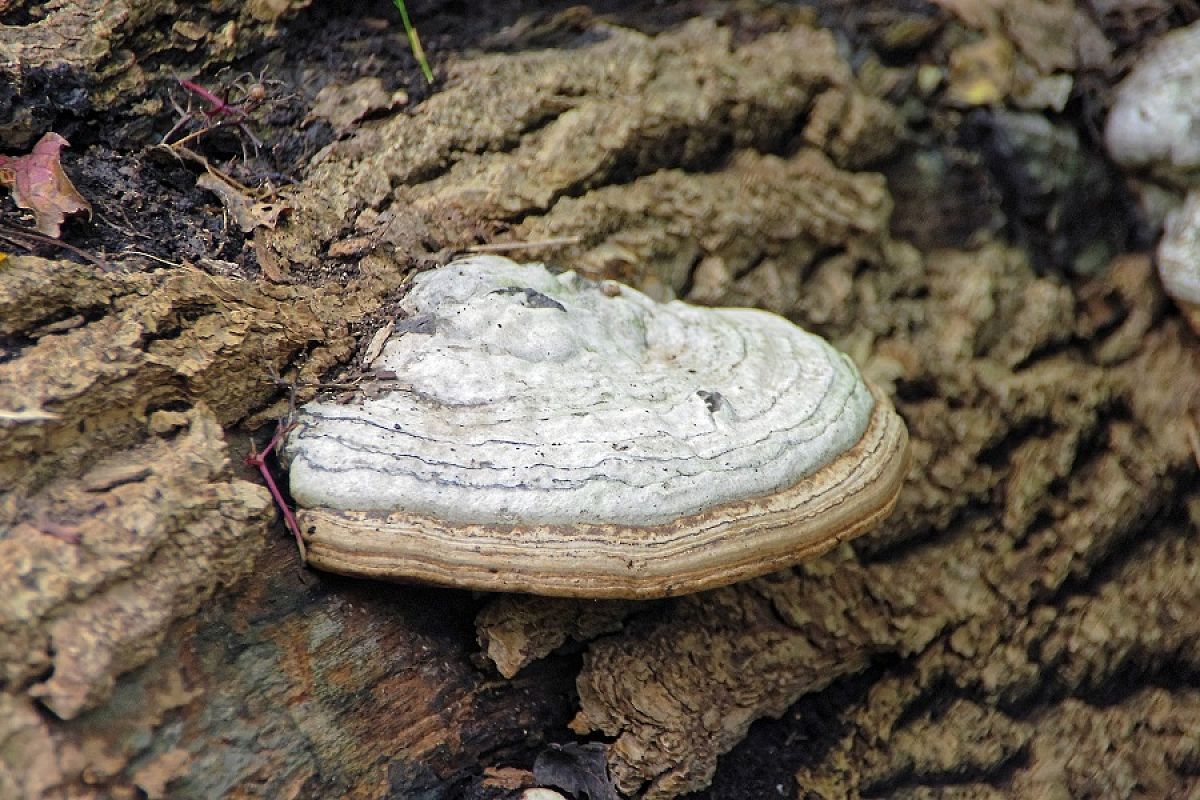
414	41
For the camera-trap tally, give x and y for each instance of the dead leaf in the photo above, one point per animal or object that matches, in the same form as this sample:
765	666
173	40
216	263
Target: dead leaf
377	342
39	184
581	770
347	248
247	213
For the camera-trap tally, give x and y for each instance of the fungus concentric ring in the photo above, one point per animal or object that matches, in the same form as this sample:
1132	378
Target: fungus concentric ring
558	436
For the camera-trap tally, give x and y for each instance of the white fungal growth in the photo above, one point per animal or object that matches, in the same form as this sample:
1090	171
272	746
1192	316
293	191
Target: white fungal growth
1155	118
1179	252
535	398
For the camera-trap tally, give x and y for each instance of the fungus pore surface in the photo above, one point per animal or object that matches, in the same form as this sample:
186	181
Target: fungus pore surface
557	435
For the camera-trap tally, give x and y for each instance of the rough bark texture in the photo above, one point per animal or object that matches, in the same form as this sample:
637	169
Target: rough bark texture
78	56
1026	623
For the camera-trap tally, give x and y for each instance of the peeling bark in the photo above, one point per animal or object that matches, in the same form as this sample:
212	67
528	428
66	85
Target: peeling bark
513	135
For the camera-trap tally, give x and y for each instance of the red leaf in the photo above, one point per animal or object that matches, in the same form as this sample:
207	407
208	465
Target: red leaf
39	184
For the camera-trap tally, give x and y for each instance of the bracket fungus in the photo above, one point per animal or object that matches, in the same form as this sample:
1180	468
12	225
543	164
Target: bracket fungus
561	436
1152	125
1156	109
1178	258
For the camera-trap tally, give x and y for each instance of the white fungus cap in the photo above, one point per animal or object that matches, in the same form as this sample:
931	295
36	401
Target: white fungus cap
539	398
1155	117
550	434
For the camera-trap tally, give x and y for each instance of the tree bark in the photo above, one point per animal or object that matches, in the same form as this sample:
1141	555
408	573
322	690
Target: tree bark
1025	624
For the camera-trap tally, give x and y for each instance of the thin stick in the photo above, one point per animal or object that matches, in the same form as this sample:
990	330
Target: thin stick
15	235
28	415
504	247
180	124
259	460
129	251
217	105
184	152
354	383
1194	439
125	229
225	123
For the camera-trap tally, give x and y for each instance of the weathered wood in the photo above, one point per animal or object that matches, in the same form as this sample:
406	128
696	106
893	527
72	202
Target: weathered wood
1023	625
